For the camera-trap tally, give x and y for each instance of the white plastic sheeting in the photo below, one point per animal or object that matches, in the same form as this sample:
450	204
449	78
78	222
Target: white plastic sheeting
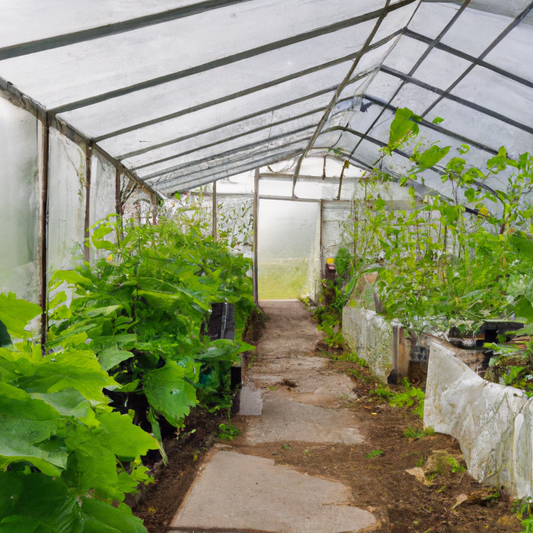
187	92
20	203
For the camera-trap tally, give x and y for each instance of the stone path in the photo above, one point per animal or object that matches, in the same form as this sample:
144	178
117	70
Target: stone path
289	395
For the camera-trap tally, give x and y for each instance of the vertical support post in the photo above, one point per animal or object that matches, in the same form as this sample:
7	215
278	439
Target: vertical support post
155	205
256	237
118	198
43	299
88	169
214	228
400	359
321	244
118	205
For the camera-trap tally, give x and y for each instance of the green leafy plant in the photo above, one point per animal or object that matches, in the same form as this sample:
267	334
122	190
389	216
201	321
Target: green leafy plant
412	433
374	453
143	310
444	262
66	459
411	397
228	431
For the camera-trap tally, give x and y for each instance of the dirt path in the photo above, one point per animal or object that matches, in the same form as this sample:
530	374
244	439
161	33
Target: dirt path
326	456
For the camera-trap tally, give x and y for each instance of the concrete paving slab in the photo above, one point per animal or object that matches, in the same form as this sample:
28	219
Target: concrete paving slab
251	400
285	420
289	329
241	492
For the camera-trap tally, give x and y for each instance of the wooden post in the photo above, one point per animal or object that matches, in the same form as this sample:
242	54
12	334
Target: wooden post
214	229
256	237
400	357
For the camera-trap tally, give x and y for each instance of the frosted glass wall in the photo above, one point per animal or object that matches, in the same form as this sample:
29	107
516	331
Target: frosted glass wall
335	217
66	203
102	196
20	202
287	249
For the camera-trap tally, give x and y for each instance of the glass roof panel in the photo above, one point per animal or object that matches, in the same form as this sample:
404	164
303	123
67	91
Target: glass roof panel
431	18
300	92
493	91
475	30
513	54
441	69
192	149
59	76
26	20
301	127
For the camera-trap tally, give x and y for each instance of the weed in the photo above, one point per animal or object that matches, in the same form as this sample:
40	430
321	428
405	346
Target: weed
383	392
252	361
374	453
228	431
524	511
412	433
285	446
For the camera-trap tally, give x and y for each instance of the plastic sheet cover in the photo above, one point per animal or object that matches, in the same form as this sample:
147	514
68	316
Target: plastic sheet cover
183	92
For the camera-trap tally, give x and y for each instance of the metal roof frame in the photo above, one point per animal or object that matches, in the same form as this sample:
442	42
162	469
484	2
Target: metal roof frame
224	161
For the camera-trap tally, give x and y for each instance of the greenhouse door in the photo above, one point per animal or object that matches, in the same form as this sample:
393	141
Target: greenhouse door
289	249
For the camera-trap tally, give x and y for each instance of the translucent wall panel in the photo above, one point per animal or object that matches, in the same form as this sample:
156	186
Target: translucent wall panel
103	189
287	248
235	222
335	221
20	202
102	195
137	208
66	202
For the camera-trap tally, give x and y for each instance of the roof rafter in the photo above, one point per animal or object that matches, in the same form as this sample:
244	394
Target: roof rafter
276	45
67	39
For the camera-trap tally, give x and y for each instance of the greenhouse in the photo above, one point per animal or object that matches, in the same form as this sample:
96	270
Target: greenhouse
266	266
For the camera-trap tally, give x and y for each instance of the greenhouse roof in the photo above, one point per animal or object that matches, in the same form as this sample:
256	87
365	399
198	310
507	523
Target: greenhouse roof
181	93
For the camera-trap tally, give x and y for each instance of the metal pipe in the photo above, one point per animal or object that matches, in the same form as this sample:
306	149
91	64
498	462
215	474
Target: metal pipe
214	221
43	299
88	167
256	237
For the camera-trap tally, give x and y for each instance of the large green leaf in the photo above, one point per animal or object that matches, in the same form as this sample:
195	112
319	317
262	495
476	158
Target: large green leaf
122	437
20	441
72	369
92	466
36	498
17	403
67	402
169	393
103	518
111	357
16	314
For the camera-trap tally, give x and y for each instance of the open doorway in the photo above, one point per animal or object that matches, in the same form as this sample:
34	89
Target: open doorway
289	249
